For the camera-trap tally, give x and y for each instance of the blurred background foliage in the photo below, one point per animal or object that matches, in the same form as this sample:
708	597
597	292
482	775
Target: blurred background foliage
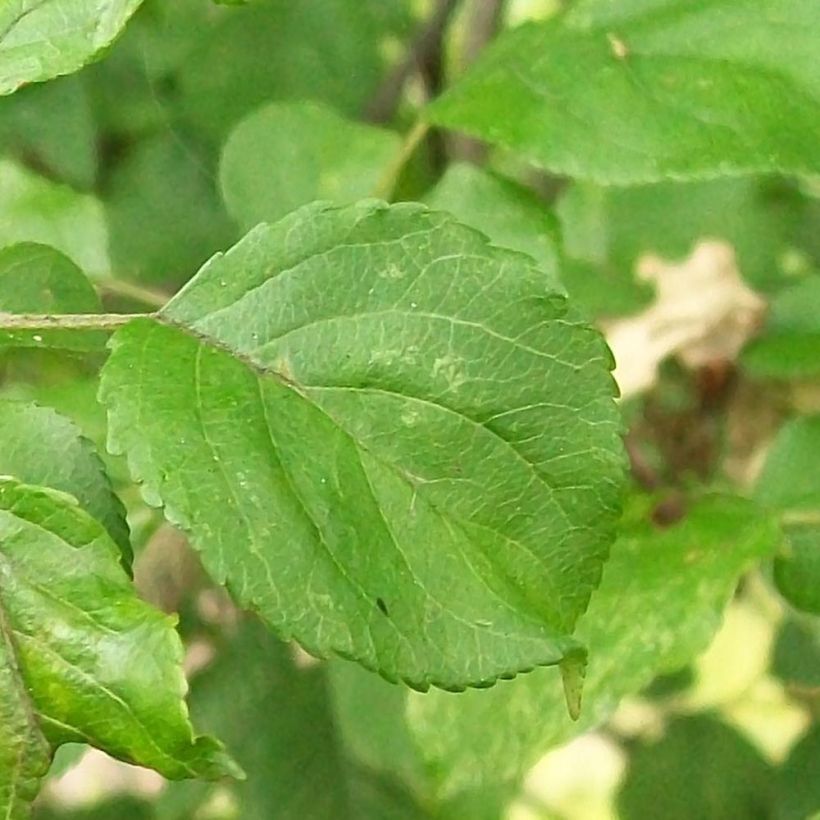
204	119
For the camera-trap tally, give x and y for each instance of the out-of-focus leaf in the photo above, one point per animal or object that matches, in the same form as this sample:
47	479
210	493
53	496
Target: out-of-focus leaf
281	50
634	92
280	725
164	213
797	788
39	279
607	230
382	741
790	483
790	479
510	215
289	154
41	39
655	582
44	448
33	209
701	769
797	567
52	124
118	808
789	347
82	659
403	442
796	655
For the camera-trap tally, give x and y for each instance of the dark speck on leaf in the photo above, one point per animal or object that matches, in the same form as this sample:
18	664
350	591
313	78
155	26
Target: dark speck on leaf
382	606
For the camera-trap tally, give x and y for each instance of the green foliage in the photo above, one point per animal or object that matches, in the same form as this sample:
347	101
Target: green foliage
34	278
32	209
701	769
33	435
790	482
285	155
789	348
323	369
653	583
81	657
798	782
510	215
283	722
41	39
390	429
639	92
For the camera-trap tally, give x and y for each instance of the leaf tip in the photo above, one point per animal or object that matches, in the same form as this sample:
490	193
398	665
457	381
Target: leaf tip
573	671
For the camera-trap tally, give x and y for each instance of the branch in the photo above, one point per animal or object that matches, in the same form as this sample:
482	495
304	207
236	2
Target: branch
424	52
67	321
129	290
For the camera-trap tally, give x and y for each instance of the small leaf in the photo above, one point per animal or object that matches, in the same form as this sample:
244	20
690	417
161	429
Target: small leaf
38	279
789	347
733	780
274	50
573	671
285	155
34	209
53	125
41	39
390	437
30	436
81	657
281	725
797	788
790	483
659	603
638	92
164	214
510	215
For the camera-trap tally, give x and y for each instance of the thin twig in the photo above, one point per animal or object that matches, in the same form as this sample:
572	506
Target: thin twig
384	187
130	290
485	22
67	321
424	51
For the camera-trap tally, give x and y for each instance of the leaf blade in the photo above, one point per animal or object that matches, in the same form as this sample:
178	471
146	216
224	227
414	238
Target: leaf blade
97	664
368	463
41	39
647	93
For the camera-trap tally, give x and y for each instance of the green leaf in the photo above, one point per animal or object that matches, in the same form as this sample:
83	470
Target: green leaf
281	50
654	582
797	795
637	92
163	210
797	567
391	438
38	279
796	655
81	657
790	483
701	769
280	724
789	347
790	479
288	154
32	435
121	808
41	39
53	125
33	209
510	215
